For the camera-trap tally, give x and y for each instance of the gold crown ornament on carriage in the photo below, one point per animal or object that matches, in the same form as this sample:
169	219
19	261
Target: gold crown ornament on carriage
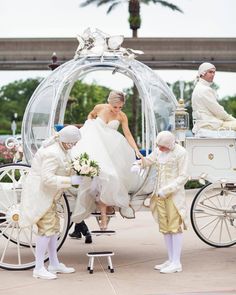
97	43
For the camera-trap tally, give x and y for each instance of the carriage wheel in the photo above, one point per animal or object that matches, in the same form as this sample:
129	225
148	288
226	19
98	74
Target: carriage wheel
17	245
213	215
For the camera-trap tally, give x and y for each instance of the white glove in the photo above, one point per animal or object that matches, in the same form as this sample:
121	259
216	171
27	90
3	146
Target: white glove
76	179
161	194
135	168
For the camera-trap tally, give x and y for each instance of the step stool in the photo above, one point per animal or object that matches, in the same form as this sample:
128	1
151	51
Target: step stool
107	254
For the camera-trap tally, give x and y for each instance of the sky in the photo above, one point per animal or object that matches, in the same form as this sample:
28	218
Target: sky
65	18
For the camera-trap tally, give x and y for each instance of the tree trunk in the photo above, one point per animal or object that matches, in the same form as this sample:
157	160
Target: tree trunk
135	33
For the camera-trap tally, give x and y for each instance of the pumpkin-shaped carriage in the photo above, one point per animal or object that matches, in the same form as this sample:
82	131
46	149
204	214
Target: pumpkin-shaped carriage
212	159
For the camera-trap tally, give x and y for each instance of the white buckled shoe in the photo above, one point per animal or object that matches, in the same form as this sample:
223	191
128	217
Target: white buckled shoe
160	266
173	267
42	273
61	268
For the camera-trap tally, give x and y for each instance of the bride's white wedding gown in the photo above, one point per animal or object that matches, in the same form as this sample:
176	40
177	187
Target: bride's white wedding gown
103	143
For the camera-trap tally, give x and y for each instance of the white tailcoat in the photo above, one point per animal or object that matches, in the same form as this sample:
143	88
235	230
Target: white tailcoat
207	112
171	177
48	177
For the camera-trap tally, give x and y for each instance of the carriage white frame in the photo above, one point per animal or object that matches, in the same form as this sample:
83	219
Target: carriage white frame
46	108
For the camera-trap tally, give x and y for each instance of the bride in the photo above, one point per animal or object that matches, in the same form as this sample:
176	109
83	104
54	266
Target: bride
115	155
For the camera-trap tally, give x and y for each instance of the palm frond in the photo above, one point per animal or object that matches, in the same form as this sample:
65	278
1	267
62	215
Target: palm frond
88	2
166	4
102	2
105	1
113	6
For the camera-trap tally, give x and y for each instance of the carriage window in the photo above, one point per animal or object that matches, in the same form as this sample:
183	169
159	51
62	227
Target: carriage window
38	120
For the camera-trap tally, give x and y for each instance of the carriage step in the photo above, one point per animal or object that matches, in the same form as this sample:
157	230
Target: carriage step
107	254
103	232
97	215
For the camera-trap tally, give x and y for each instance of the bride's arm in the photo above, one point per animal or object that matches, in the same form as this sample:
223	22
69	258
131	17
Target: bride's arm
129	136
93	114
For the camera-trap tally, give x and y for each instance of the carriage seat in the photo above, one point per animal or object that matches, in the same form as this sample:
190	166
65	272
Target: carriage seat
220	133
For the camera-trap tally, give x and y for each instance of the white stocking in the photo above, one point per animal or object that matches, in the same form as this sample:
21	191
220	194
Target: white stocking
52	251
177	247
168	241
40	251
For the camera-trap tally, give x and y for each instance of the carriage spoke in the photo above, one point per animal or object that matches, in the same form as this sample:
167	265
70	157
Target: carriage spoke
232	194
207	215
29	240
221	227
210	222
18	244
209	199
213	230
2	232
227	228
206	208
6	245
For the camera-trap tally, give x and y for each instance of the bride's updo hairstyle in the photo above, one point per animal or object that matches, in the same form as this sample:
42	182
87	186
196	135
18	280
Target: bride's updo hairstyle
116	96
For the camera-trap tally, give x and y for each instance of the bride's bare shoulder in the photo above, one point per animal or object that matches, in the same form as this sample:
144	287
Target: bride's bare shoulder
100	106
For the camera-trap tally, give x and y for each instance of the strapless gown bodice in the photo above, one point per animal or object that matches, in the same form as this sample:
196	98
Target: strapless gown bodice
113	124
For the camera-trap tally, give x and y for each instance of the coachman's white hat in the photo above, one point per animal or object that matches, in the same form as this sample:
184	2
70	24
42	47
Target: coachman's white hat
204	67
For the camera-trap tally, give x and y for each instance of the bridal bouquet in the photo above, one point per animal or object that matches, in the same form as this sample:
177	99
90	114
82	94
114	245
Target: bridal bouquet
83	166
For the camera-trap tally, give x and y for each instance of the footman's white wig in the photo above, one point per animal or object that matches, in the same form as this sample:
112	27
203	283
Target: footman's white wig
166	139
69	134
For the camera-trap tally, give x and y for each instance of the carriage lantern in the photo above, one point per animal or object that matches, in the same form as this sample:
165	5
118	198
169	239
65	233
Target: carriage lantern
181	120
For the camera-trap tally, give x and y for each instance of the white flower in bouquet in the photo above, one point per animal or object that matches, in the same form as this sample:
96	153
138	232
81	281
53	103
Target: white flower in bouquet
76	165
85	169
83	166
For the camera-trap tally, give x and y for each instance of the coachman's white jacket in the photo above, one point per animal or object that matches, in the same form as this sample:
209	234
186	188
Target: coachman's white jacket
171	177
207	112
48	177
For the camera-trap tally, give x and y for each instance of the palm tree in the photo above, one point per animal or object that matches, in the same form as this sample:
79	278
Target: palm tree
134	9
135	24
